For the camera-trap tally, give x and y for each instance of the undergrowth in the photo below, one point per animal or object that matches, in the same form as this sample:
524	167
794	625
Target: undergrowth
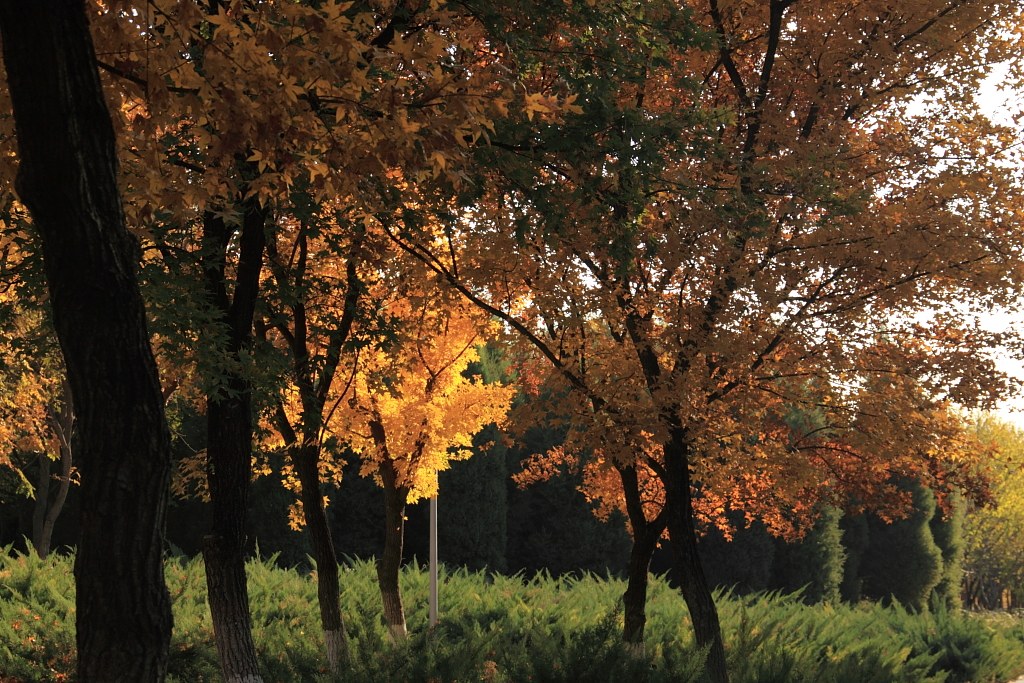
502	629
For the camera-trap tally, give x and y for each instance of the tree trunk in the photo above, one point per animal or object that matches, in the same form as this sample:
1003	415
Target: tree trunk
47	510
68	180
229	414
683	534
645	542
229	435
390	561
305	460
39	541
225	581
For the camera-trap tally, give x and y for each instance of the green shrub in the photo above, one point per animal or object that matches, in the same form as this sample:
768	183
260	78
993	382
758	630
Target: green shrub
502	629
902	561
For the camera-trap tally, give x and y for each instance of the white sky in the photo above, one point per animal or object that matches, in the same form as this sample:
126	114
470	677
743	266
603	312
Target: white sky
1003	105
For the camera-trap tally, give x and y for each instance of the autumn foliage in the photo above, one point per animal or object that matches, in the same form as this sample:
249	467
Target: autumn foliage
739	251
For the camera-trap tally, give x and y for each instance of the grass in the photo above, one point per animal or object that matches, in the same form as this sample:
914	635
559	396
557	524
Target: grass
502	629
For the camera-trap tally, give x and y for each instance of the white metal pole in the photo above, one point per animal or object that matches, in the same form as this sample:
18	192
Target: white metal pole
433	561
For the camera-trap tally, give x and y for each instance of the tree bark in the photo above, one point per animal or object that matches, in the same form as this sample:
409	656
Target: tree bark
46	510
645	541
683	534
68	180
305	459
390	561
39	540
229	415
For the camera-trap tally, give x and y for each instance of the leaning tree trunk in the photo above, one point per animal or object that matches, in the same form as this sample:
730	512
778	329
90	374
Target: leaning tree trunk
229	414
48	509
645	541
68	180
305	459
683	534
40	540
391	558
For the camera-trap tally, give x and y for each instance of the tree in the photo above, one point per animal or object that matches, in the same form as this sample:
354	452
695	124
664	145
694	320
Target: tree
855	543
66	146
314	322
994	534
233	112
902	561
947	526
815	562
804	230
412	410
36	416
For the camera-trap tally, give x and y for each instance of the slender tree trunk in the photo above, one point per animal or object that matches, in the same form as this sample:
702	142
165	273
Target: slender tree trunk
57	504
306	462
47	510
390	561
68	180
42	501
314	381
229	414
645	542
683	534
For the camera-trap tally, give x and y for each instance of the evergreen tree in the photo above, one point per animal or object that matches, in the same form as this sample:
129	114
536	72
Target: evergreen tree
854	530
473	506
742	563
815	562
948	531
902	561
550	524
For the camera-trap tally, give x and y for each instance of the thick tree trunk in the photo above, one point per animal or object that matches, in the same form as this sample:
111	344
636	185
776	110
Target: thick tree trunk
229	434
645	542
390	561
225	582
683	534
229	414
305	460
68	180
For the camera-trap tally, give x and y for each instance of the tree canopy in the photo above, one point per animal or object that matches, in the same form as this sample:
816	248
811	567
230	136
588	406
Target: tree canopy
739	251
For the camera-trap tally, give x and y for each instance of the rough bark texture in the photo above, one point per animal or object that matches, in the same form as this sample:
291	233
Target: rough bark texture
305	459
390	561
682	532
68	180
645	541
229	439
233	624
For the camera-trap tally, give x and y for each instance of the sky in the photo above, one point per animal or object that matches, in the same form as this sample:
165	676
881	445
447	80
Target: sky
1004	105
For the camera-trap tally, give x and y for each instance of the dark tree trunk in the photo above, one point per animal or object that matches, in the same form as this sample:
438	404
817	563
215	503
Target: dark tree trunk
47	509
40	541
683	534
229	415
314	381
645	541
68	180
390	561
305	460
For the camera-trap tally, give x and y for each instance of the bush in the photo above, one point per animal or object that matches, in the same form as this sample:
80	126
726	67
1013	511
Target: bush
501	629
